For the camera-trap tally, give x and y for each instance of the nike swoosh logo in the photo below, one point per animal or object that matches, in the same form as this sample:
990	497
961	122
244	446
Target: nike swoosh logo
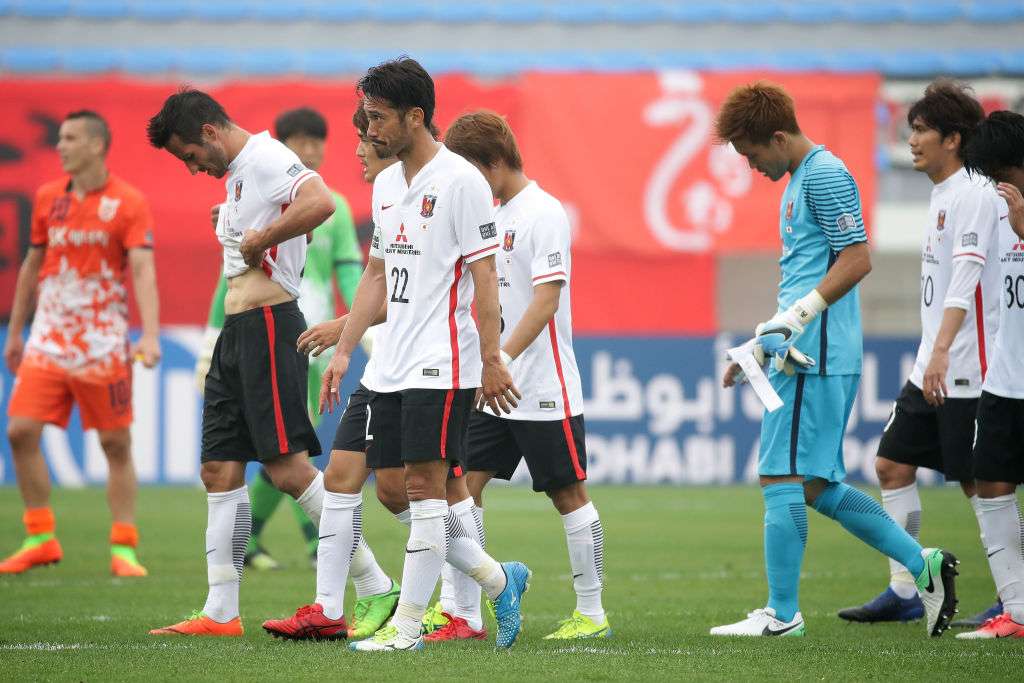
931	583
210	551
576	576
327	536
995	551
782	631
421	550
385	207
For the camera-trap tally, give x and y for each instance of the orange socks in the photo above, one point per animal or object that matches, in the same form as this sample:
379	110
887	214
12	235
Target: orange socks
124	534
39	521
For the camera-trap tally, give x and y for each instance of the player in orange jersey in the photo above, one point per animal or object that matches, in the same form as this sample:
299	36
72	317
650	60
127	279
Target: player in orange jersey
87	227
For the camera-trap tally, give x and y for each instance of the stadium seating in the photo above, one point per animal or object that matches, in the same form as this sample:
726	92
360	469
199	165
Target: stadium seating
560	11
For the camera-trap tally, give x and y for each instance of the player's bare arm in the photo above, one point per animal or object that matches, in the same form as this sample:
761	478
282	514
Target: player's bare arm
497	388
323	336
851	266
538	314
934	388
312	206
143	268
24	300
1011	194
371	295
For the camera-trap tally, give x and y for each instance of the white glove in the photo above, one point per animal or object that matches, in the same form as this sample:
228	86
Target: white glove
776	336
205	357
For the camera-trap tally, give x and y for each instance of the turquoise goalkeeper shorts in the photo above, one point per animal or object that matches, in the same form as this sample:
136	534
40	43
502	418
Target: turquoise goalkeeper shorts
805	436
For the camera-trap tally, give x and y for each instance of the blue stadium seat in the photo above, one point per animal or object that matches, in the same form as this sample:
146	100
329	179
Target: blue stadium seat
160	10
410	10
525	12
1013	61
627	12
934	11
102	9
622	61
578	12
210	60
334	63
853	60
43	9
973	62
797	60
760	12
6	7
90	60
149	61
683	59
23	59
912	64
350	10
821	12
872	11
220	10
494	64
267	62
697	12
281	12
444	61
457	12
994	11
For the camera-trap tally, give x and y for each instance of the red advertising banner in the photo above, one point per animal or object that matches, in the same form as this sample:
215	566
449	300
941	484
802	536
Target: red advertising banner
650	198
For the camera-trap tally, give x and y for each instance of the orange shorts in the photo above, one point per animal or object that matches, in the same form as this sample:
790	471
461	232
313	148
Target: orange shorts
46	393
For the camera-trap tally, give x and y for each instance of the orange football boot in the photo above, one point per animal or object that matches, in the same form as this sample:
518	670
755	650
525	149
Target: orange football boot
198	624
32	554
123	562
457	628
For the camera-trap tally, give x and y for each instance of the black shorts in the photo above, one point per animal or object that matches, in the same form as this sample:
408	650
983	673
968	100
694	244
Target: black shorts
939	438
418	425
351	432
254	405
999	443
555	451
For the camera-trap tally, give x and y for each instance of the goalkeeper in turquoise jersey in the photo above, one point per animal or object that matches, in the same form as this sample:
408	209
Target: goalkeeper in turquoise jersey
824	256
334	252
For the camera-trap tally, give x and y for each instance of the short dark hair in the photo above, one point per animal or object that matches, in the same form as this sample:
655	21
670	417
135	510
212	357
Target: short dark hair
996	145
301	121
755	112
949	107
484	137
402	83
184	114
97	125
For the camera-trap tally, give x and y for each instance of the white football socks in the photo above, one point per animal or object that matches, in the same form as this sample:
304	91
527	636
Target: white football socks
424	556
312	499
585	537
367	575
468	557
904	506
341	529
465	590
228	525
404	517
1004	544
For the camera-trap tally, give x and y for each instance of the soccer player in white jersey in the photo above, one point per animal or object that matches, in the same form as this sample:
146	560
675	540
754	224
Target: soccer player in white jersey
932	423
433	221
255	394
546	429
996	150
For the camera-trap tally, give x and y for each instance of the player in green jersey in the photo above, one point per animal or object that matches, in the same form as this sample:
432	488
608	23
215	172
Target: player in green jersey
334	252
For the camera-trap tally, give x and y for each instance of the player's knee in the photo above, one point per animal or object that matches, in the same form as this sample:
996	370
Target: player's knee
116	445
24	437
392	498
218	477
337	480
892	474
569	498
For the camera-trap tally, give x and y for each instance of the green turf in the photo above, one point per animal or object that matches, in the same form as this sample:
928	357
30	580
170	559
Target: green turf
678	562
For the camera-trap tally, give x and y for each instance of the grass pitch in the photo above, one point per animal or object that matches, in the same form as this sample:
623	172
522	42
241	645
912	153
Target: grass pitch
679	560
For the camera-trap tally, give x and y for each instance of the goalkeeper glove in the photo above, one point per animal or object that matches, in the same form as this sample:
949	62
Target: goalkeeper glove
776	336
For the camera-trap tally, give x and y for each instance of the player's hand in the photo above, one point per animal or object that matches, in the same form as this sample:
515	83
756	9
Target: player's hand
733	376
322	336
14	349
1015	201
934	388
498	391
215	214
252	249
331	381
147	351
776	336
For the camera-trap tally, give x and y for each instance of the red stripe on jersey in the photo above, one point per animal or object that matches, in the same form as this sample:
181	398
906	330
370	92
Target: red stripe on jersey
969	253
541	277
979	318
448	397
566	426
282	438
480	251
453	325
291	192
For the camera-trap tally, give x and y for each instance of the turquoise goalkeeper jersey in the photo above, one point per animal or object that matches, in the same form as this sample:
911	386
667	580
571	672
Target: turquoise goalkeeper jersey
818	218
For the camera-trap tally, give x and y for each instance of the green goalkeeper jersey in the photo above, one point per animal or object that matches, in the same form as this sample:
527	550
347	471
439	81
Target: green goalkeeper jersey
334	252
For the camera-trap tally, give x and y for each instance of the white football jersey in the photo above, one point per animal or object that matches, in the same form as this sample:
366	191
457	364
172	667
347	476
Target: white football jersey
428	232
963	220
1006	373
261	183
534	233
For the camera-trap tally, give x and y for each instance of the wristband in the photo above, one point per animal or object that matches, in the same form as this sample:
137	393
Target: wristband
807	308
505	358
